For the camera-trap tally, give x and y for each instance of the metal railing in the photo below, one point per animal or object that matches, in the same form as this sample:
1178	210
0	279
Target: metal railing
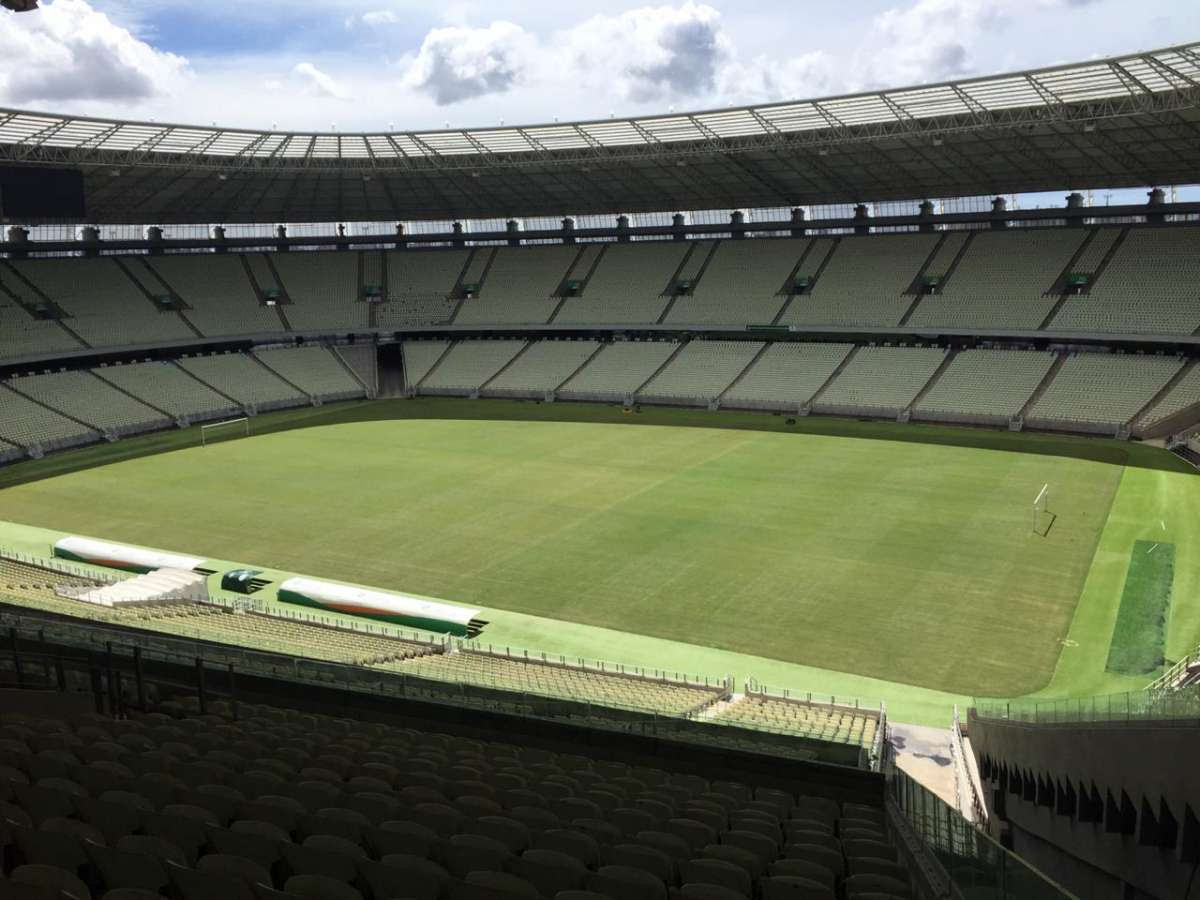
1142	708
975	863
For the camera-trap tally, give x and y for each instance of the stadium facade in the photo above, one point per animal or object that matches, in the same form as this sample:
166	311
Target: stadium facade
845	292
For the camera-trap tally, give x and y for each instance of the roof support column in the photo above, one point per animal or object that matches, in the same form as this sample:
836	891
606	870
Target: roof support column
1156	197
999	208
678	232
798	229
568	230
514	232
622	229
925	214
737	223
19	236
862	219
1075	209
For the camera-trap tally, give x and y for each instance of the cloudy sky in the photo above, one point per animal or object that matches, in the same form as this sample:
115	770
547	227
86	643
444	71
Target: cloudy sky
365	64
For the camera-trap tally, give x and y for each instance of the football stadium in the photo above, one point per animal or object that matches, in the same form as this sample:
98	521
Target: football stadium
754	503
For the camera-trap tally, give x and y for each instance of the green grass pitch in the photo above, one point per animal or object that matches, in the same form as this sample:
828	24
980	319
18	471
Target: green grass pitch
903	553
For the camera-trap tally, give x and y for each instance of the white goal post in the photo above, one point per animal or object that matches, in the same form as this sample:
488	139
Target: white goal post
1040	512
229	428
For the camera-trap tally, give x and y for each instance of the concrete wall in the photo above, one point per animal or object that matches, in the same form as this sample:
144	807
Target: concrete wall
1108	810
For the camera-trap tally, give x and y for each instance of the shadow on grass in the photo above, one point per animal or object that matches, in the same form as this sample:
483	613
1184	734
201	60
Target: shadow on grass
1104	450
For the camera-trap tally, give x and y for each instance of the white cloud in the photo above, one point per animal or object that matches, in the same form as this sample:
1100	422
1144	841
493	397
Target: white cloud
459	63
650	54
319	82
377	17
67	51
936	40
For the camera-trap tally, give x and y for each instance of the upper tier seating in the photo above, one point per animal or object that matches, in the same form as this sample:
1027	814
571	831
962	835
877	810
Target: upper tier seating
520	286
215	287
1101	391
864	282
1151	286
105	307
469	364
701	371
1184	394
28	424
323	287
985	386
629	285
420	287
618	370
542	368
991	289
744	283
244	379
83	396
169	388
20	333
315	370
786	376
419	358
880	380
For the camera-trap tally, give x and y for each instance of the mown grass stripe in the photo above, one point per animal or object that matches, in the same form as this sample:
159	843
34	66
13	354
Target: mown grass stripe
1139	635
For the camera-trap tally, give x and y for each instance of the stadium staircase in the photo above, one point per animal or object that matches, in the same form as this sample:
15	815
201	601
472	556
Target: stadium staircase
390	372
583	365
236	404
958	258
745	370
1041	388
371	387
1162	392
583	282
259	290
99	373
666	362
929	385
434	367
46	301
683	266
135	277
806	407
917	288
504	368
315	401
459	292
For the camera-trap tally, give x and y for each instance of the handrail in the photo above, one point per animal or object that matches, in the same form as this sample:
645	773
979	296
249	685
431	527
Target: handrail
1134	708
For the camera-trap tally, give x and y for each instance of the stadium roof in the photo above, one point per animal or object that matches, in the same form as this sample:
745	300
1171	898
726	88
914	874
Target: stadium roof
1118	122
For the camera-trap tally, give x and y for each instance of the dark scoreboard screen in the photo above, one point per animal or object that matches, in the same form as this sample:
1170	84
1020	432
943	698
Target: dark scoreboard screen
36	192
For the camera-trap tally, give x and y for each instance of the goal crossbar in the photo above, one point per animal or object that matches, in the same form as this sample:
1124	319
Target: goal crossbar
242	421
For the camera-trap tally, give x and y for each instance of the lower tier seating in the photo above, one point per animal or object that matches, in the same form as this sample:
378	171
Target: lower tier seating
28	424
89	399
315	370
988	386
1184	394
786	376
1101	391
618	370
701	371
244	379
170	388
542	368
470	364
880	381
